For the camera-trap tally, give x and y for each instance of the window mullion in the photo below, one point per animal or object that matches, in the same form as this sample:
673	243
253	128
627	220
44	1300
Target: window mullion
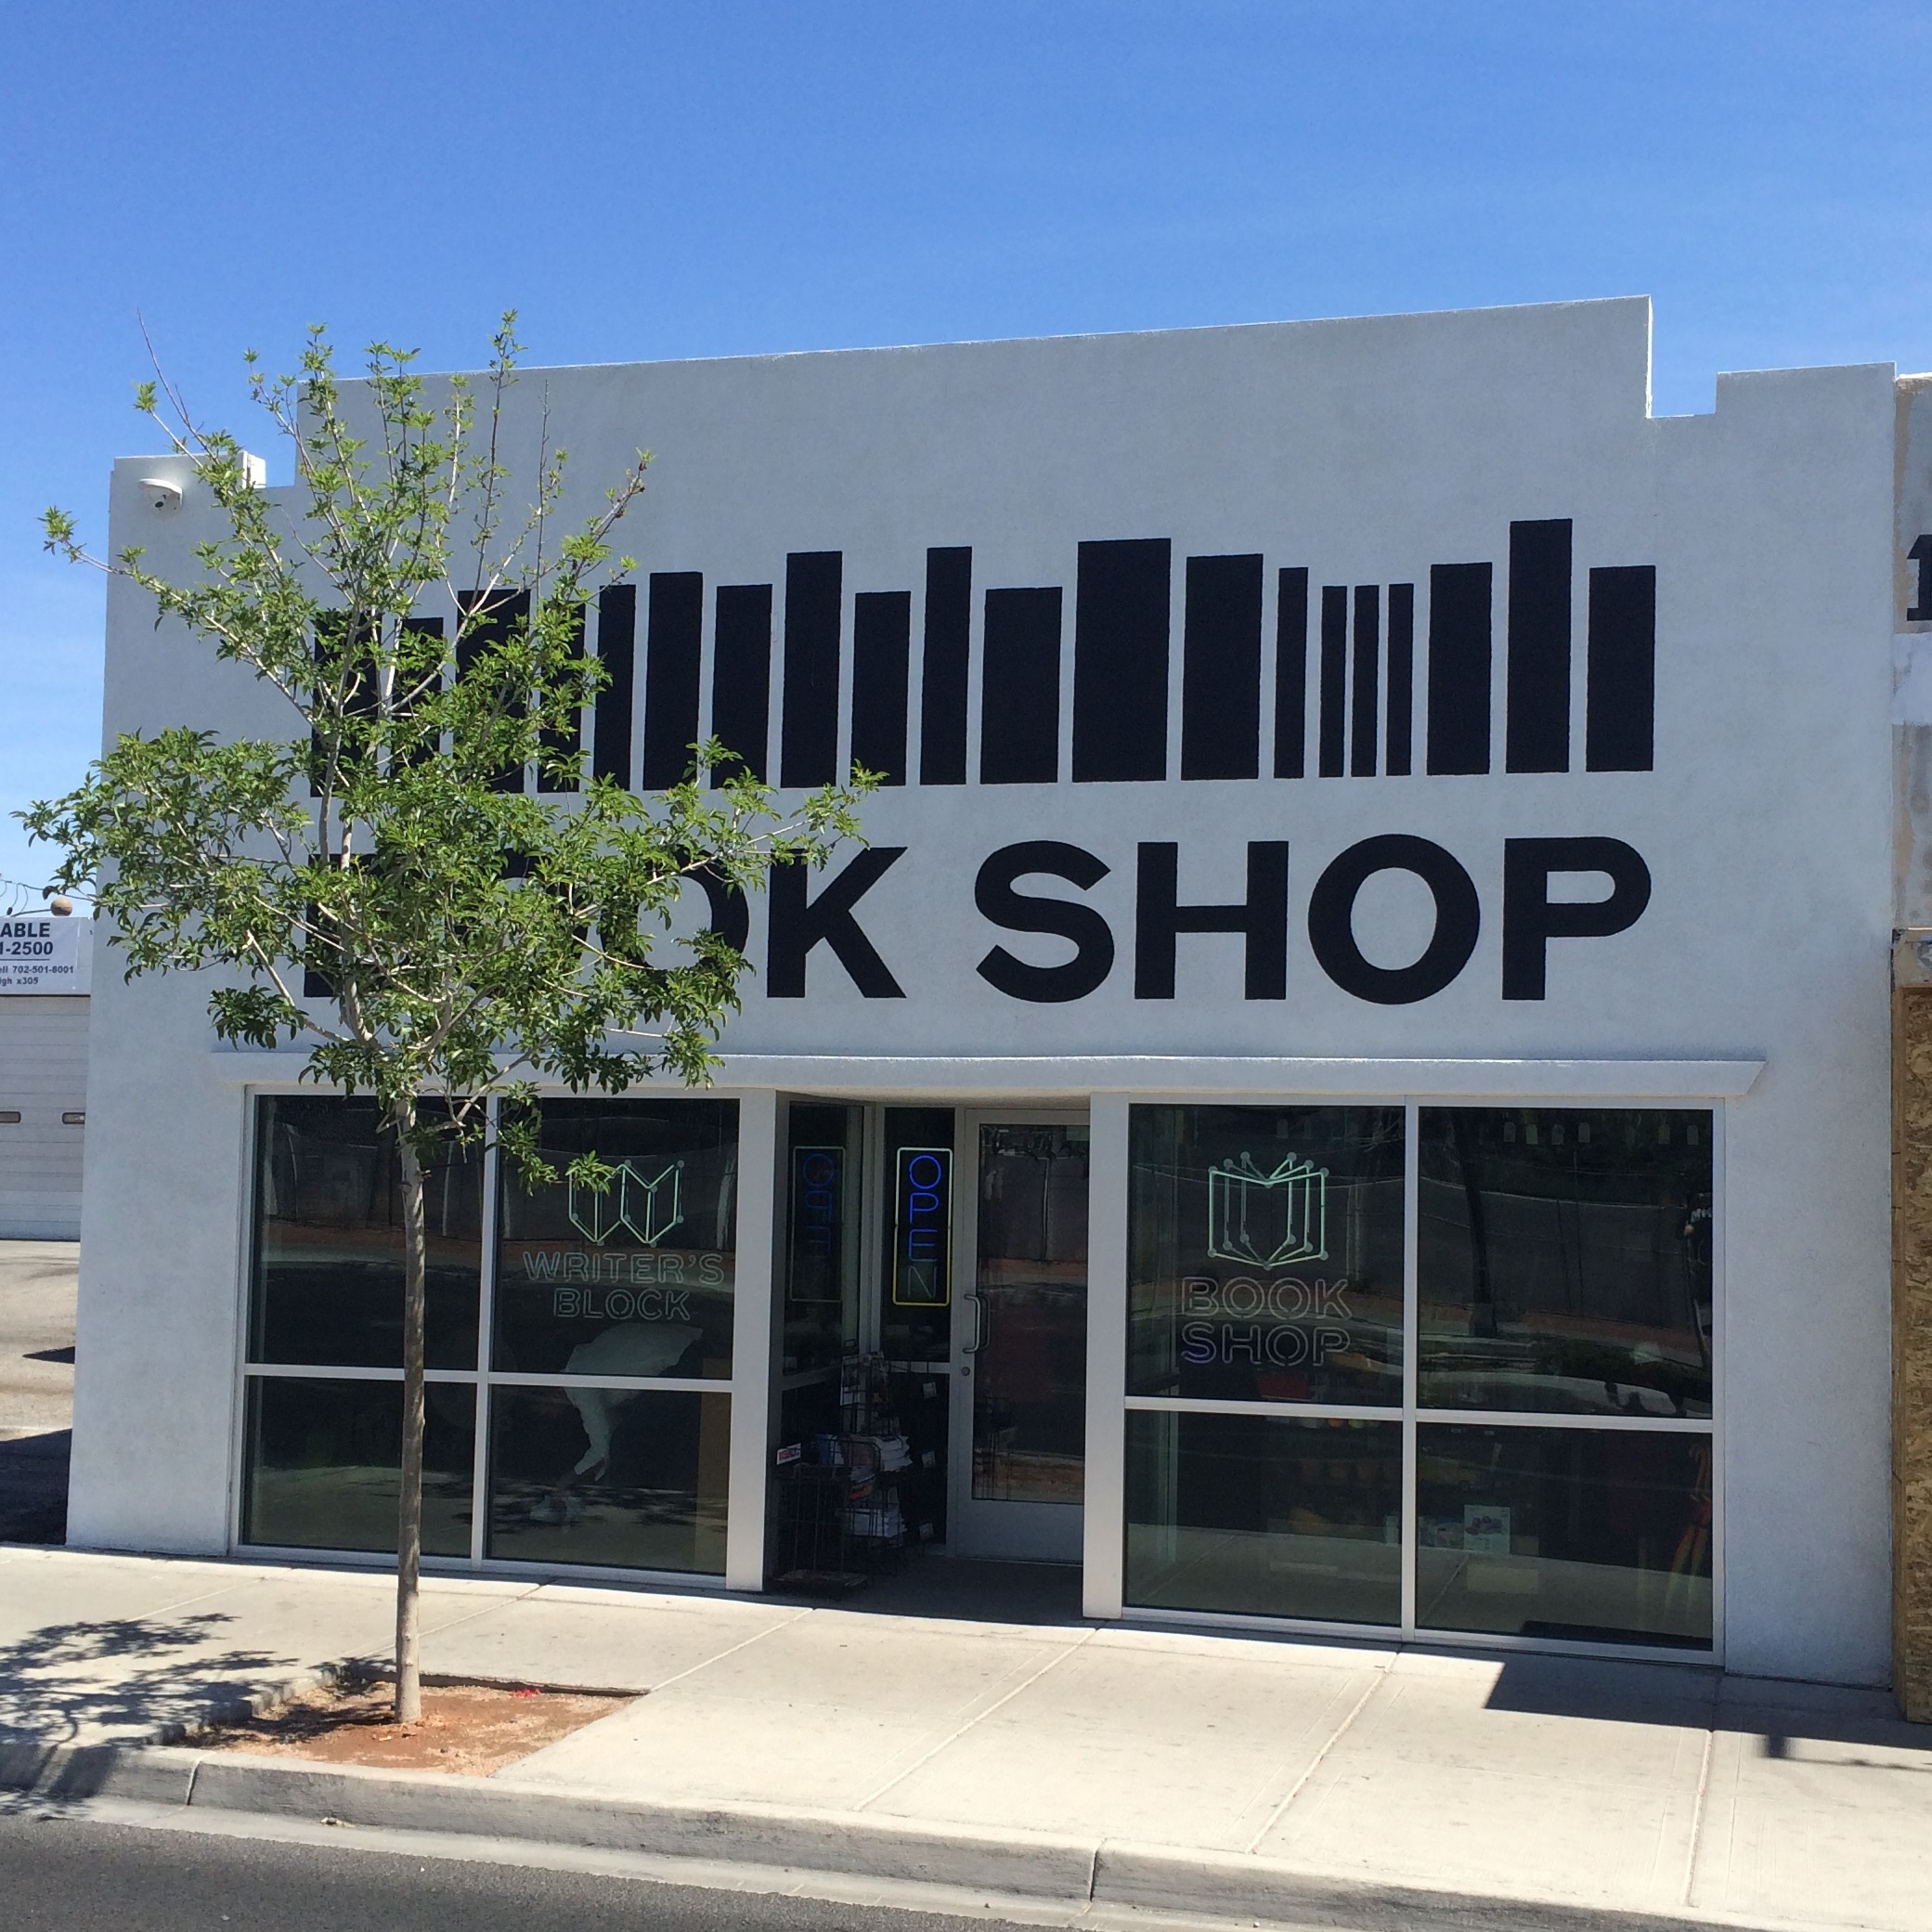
486	1330
1411	1343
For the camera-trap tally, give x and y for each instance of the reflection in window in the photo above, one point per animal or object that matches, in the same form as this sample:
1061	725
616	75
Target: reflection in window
1566	1259
1266	1254
324	1461
1264	1515
623	1478
1597	1534
635	1279
1030	1373
329	1239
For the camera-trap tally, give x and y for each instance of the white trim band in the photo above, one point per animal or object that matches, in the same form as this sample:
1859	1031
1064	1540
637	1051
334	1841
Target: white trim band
1210	1076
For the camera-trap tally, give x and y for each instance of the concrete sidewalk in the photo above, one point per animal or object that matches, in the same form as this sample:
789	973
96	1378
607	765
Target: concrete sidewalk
1170	1769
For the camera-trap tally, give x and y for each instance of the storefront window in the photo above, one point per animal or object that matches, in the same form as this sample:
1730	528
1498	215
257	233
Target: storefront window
627	1478
1561	1263
1566	1259
1563	1258
329	1239
1266	1515
324	1461
1596	1533
1265	1250
596	1292
634	1280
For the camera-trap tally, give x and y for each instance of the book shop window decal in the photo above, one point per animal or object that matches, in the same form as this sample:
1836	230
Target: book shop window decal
1268	1219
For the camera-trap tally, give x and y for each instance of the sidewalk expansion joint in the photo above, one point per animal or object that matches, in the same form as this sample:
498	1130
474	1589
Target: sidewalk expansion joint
1703	1781
1314	1763
953	1736
482	1608
729	1651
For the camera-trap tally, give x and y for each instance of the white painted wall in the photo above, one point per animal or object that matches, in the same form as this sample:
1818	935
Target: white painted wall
1365	450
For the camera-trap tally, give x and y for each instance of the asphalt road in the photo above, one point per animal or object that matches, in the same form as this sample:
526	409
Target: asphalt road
38	1283
59	1873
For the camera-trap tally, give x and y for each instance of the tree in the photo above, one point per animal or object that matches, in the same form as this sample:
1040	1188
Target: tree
381	885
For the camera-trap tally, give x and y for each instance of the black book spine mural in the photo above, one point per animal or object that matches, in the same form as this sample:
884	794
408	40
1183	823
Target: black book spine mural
1351	694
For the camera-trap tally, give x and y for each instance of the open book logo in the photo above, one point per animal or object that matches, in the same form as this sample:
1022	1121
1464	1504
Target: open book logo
1268	1219
646	1210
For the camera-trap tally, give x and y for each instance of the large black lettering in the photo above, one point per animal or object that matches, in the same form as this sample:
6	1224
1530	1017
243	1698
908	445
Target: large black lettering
1262	918
797	924
731	911
1020	912
1331	907
1530	918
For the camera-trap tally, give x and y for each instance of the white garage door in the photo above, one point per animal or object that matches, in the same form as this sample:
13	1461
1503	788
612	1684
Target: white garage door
43	1111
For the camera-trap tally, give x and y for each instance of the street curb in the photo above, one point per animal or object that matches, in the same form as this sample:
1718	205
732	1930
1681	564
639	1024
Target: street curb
1234	1886
1016	1864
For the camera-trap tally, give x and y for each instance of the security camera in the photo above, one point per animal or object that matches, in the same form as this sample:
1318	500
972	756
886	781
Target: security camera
164	497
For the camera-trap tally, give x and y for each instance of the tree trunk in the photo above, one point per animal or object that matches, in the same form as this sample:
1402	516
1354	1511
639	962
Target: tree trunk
408	1534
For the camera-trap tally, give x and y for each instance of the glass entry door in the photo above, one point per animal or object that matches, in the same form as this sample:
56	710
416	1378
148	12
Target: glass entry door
1018	1426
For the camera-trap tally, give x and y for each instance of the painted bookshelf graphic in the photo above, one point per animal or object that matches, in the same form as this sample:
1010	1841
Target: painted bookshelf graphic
809	676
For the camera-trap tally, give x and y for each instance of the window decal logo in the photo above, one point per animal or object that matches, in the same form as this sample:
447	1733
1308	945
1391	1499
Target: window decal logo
1268	1219
647	1210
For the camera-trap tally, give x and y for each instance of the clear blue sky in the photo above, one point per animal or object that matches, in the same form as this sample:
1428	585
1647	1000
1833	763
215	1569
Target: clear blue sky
649	181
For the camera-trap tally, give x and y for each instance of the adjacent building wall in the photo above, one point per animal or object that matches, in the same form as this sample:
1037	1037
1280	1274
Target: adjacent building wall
1912	1061
1912	1338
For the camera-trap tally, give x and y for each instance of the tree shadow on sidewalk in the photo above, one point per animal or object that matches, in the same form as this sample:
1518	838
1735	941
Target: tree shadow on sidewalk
145	1678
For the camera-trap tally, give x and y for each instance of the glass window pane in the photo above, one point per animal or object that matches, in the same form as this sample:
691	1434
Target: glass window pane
634	1280
1566	1259
1266	1254
1264	1515
824	1165
1030	1367
1598	1533
329	1239
627	1478
323	1461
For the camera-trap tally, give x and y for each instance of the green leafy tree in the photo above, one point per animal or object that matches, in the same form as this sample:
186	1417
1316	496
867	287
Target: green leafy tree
474	934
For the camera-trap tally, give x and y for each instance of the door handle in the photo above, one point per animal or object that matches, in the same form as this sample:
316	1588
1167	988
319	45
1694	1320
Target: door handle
978	1341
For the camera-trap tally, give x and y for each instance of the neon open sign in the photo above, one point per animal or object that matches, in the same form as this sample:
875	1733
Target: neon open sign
818	1224
922	1229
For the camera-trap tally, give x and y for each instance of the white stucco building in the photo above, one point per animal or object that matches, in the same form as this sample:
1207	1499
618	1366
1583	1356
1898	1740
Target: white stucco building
1349	1088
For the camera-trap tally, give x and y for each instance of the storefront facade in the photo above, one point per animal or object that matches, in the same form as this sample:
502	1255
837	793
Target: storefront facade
1347	1090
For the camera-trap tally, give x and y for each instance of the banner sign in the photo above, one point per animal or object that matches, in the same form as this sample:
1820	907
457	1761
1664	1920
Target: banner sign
42	953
